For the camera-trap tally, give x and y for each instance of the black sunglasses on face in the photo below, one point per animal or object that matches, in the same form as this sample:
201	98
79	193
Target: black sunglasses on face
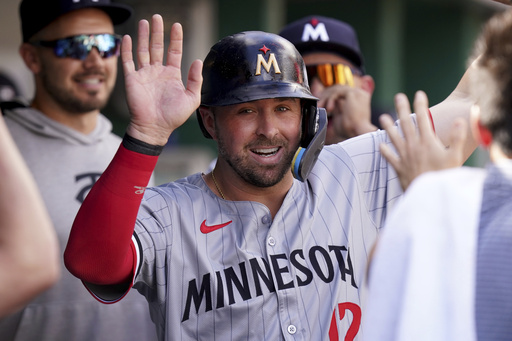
330	74
79	46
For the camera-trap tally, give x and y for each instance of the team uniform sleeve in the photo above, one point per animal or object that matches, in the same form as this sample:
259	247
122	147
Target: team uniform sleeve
101	250
423	272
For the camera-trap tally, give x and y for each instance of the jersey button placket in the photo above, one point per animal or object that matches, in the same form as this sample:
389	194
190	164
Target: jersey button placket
292	329
271	241
286	295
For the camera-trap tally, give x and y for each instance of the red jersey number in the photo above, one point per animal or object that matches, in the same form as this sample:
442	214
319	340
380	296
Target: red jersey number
354	326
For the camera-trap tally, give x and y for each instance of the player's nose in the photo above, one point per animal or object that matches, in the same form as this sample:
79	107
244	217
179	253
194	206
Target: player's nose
267	123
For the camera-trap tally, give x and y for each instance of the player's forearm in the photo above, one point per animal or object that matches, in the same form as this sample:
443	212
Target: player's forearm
99	246
457	104
444	116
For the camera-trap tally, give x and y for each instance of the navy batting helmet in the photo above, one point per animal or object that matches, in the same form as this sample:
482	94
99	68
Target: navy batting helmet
255	65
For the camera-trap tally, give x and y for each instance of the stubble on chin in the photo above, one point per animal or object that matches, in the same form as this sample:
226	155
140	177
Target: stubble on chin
67	97
259	176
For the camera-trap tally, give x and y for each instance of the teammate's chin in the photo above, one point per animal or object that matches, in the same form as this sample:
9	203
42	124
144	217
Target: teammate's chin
80	106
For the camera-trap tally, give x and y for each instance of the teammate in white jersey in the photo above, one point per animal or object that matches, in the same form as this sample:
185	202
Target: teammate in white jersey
462	290
246	251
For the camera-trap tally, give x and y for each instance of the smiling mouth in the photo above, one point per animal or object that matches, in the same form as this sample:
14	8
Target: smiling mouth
90	81
266	152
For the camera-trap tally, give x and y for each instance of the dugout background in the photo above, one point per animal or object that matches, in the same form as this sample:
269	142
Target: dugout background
408	45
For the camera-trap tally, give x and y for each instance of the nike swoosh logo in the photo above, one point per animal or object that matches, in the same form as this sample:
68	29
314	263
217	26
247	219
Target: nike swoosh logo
207	229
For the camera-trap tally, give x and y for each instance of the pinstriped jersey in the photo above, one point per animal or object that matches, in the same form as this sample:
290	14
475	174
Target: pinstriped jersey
213	269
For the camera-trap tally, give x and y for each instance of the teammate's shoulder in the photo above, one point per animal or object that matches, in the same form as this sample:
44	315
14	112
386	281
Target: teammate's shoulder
455	175
450	181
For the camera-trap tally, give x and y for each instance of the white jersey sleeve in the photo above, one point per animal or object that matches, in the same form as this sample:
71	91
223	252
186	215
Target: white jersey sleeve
421	281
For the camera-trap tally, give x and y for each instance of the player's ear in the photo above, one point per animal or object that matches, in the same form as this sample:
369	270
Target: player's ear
208	120
367	83
30	56
479	131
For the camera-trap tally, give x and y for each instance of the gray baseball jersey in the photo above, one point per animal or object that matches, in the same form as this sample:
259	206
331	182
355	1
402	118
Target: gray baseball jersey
213	269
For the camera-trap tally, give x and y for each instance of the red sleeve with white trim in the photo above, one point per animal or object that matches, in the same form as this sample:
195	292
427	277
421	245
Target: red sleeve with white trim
99	248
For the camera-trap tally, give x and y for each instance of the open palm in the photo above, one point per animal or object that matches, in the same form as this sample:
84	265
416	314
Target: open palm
157	99
420	150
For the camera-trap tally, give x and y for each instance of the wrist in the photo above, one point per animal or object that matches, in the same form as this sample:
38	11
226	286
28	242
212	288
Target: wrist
153	136
135	145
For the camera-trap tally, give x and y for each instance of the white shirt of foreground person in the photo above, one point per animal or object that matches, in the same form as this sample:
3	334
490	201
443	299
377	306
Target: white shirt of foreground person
421	279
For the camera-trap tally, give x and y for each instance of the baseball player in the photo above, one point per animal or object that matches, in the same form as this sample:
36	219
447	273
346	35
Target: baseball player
250	250
28	242
336	73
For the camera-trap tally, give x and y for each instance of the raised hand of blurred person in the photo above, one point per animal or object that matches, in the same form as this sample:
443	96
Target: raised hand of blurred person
158	100
420	150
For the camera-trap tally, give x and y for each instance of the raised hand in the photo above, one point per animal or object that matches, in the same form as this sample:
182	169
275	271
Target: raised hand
420	150
350	109
157	99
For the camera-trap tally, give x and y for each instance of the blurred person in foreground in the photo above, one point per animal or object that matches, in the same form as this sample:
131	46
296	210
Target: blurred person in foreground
29	257
442	269
72	51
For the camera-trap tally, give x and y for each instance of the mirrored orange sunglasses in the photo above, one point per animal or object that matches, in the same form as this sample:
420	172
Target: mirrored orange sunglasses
330	74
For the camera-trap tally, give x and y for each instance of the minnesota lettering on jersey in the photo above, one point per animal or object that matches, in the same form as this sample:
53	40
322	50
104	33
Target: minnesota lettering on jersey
266	274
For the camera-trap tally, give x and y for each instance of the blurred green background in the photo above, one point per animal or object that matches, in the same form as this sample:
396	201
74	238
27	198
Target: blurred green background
408	45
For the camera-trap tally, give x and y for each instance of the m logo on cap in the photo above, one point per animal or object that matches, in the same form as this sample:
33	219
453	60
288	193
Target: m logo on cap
315	30
272	61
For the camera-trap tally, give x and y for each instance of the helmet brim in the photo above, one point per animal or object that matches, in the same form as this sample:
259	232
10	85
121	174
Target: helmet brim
262	90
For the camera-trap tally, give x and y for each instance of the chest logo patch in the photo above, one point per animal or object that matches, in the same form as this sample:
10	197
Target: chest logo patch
210	228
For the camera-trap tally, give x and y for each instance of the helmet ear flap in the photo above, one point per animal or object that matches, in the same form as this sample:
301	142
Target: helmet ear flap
309	123
305	157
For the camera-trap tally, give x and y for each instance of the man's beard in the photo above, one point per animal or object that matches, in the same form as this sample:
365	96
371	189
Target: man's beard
262	176
65	98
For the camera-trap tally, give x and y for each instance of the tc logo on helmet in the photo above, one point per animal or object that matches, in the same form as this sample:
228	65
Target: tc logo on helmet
272	61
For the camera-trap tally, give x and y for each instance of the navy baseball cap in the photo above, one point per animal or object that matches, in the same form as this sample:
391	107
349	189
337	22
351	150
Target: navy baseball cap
318	34
37	14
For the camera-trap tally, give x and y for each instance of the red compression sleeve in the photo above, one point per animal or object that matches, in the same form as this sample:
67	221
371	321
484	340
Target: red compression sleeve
99	247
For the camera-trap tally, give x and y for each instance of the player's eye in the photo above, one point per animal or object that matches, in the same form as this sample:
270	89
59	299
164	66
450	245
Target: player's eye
245	111
282	108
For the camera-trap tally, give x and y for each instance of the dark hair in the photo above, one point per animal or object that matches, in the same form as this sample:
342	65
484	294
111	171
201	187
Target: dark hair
491	81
